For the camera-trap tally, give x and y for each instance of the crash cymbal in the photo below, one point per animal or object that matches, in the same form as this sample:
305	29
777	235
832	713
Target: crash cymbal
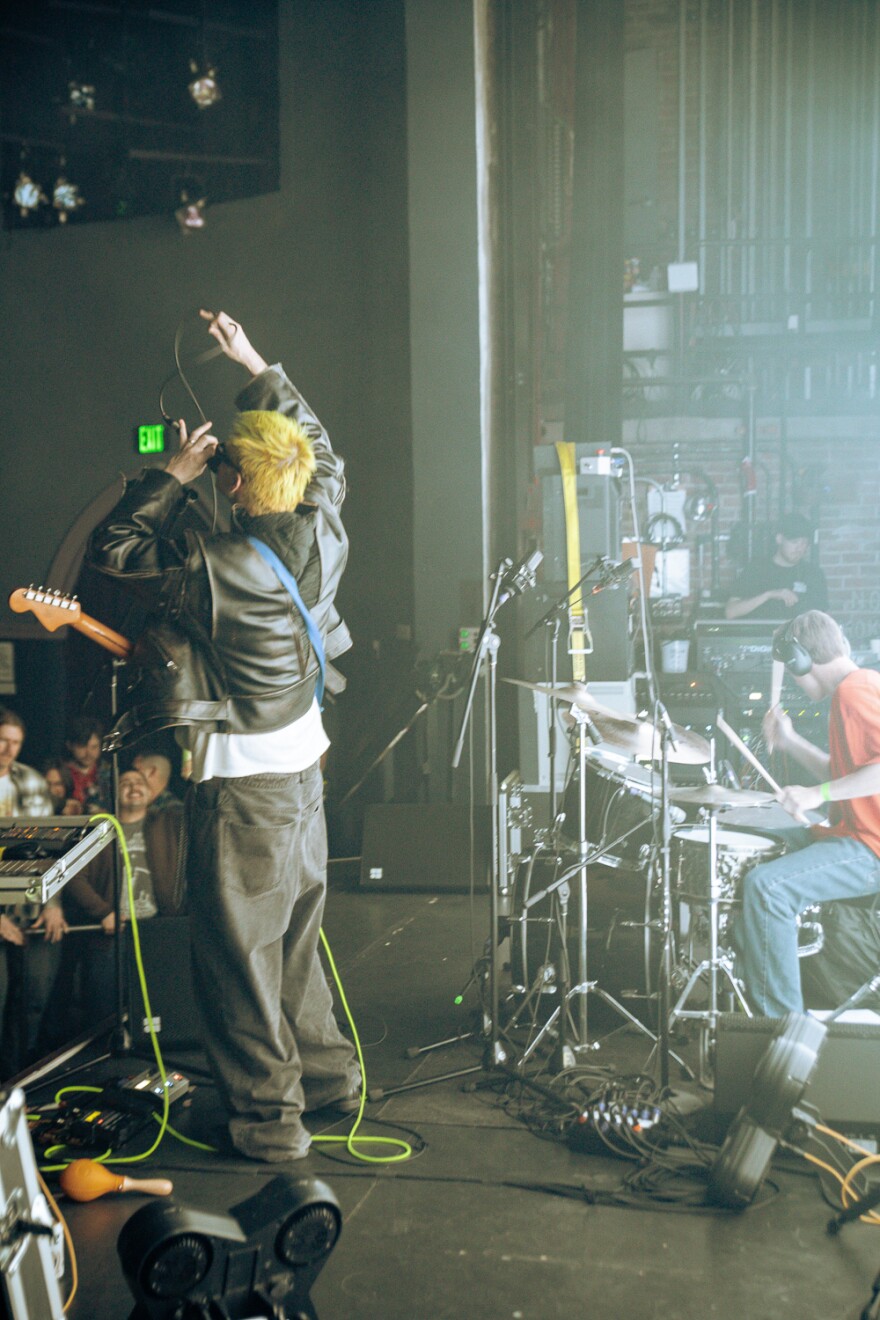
570	694
692	749
718	795
641	740
622	733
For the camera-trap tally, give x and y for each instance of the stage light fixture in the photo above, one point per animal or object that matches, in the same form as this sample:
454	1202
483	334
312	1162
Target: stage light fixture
80	96
260	1258
66	197
28	196
190	215
204	88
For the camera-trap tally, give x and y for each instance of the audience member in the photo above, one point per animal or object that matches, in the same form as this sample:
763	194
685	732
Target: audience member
27	964
84	991
156	770
92	777
60	784
23	792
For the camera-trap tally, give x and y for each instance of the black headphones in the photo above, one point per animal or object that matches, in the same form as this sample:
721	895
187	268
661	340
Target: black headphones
792	653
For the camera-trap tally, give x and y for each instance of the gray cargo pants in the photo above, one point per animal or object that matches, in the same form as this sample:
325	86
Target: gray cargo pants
257	880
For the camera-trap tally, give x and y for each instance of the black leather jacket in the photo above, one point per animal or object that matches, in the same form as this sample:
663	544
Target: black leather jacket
225	648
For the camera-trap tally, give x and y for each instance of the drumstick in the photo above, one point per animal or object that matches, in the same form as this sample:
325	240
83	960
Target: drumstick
721	723
728	732
776	673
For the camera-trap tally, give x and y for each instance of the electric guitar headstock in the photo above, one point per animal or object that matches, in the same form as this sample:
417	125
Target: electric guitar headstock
54	609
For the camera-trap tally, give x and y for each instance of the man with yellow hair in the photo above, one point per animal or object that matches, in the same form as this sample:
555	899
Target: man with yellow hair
236	649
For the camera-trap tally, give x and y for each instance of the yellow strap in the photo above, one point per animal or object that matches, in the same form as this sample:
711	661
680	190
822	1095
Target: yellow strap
578	644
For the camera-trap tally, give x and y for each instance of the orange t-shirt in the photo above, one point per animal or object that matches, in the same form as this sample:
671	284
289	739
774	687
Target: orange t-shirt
854	741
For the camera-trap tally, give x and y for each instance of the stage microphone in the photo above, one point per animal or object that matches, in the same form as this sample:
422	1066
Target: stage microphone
522	578
611	574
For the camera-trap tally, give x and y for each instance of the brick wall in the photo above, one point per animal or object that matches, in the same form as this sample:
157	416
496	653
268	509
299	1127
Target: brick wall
830	466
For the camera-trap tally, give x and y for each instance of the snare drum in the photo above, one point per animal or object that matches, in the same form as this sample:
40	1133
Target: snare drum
620	799
738	850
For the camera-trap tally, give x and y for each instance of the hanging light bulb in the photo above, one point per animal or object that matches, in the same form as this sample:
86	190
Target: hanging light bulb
204	88
28	196
80	96
190	215
65	196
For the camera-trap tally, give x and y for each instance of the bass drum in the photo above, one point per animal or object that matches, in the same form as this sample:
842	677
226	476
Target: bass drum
622	802
623	937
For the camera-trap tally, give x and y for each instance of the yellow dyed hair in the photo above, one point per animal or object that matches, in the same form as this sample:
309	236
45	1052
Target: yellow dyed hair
275	458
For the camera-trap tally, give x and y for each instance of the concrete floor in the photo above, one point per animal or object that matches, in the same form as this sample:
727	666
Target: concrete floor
491	1219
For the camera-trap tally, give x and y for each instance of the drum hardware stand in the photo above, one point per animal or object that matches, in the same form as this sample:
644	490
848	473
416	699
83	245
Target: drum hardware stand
495	1054
553	621
585	987
662	1045
715	963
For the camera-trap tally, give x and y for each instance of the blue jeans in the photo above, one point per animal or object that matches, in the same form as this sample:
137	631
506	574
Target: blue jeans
775	893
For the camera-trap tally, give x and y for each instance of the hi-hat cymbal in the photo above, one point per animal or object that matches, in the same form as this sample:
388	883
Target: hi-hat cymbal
718	795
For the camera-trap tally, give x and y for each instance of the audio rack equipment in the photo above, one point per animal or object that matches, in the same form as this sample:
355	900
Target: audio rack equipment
38	855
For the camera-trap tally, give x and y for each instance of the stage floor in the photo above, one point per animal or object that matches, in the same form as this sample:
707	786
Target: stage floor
492	1219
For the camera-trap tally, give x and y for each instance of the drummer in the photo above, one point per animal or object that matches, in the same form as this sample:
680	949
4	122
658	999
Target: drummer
840	860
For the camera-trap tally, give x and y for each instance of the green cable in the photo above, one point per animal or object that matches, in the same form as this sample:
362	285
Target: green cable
351	1141
107	1157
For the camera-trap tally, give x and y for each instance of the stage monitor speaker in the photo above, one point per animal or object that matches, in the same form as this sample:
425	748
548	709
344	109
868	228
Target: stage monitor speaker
425	846
843	1088
167	961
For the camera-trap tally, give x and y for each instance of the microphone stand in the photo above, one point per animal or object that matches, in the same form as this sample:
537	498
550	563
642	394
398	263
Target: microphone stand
487	649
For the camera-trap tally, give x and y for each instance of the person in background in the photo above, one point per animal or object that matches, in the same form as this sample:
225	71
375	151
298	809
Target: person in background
156	770
784	585
84	992
23	791
92	777
28	963
59	781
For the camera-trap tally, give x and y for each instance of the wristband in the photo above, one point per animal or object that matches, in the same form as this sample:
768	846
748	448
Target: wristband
825	792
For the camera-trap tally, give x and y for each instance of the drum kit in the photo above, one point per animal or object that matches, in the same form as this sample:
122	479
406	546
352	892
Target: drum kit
621	814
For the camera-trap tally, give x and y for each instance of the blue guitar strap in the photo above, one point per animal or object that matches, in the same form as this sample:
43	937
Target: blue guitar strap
288	580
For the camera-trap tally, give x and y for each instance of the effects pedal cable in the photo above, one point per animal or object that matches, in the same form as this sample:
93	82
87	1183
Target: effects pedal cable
352	1141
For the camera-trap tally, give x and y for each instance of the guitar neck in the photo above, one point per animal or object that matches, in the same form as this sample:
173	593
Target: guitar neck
99	632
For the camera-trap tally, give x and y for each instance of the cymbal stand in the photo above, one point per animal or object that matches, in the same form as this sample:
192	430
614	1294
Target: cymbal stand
552	619
716	963
663	1047
585	987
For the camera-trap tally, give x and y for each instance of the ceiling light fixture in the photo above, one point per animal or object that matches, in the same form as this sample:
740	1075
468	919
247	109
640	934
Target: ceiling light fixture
28	196
66	197
80	96
190	215
204	88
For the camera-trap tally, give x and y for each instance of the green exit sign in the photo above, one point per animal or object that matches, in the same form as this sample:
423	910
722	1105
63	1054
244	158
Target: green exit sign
151	439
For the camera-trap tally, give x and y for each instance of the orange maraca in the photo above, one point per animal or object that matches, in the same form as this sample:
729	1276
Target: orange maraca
85	1180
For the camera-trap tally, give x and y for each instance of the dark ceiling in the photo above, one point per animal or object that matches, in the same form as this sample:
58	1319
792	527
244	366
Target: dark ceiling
146	141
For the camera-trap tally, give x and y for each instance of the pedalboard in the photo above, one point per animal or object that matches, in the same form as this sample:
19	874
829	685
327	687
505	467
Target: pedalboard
111	1117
